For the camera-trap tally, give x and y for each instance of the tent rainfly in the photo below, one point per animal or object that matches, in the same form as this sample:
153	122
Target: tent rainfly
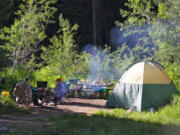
143	86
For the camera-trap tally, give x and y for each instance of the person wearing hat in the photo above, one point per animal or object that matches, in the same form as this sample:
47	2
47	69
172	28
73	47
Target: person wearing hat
23	92
57	91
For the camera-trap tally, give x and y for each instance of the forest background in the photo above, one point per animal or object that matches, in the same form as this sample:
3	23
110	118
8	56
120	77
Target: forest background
96	39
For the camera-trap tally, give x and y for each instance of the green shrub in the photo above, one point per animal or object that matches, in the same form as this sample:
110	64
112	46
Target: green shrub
45	74
11	79
9	107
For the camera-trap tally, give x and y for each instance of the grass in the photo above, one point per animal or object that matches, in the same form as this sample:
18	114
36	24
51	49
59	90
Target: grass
93	125
170	114
99	125
8	107
165	121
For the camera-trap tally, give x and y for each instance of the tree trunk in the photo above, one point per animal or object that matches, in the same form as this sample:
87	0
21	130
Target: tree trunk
15	53
13	68
94	22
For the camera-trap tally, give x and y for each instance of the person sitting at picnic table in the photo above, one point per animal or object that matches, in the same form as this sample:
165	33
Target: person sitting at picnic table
76	87
79	88
84	87
87	85
97	87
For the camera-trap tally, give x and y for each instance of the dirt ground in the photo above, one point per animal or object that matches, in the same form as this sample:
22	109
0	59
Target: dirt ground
36	113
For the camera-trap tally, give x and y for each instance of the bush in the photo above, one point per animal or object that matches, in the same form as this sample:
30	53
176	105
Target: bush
45	74
11	79
7	106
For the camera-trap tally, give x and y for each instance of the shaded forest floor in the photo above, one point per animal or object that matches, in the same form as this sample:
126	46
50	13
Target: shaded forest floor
35	114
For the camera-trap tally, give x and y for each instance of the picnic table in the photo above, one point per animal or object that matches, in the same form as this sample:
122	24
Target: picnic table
103	90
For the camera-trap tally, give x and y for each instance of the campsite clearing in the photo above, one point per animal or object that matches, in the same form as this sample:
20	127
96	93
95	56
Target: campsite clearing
76	117
37	113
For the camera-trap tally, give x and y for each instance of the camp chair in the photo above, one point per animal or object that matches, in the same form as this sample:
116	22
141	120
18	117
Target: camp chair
41	84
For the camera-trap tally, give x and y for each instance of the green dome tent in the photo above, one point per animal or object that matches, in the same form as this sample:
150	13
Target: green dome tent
142	86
